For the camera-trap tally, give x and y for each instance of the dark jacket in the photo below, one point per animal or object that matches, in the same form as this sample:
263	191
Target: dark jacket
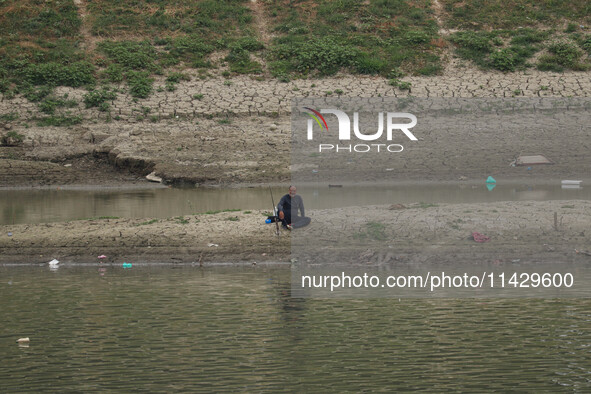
290	205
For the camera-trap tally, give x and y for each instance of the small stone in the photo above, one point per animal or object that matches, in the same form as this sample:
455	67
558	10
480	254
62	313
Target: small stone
7	126
273	126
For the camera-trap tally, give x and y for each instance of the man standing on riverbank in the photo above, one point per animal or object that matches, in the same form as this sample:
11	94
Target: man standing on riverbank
288	207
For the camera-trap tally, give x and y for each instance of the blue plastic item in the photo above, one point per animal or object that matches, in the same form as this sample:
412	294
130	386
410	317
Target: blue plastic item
268	221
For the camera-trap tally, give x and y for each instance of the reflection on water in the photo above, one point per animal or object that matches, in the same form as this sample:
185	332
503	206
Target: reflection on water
37	206
187	329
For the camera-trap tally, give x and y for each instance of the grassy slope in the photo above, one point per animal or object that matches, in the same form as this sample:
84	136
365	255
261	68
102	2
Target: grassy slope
41	44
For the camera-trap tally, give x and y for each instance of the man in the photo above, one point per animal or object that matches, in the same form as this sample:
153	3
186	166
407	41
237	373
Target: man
288	207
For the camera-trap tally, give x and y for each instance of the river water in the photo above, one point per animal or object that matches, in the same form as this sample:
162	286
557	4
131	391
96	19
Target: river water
164	329
71	203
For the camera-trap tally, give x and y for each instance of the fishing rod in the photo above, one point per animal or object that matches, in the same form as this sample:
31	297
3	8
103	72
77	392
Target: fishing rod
275	213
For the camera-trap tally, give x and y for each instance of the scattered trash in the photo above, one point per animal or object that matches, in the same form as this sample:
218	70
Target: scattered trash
314	171
10	234
490	179
516	261
335	185
23	340
67	165
529	168
583	252
267	220
491	186
102	256
153	178
126	265
210	245
389	169
568	182
531	160
53	263
480	238
463	178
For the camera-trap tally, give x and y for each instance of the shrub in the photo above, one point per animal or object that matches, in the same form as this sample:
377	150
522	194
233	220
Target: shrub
114	73
98	98
567	54
325	55
140	83
75	75
503	60
130	55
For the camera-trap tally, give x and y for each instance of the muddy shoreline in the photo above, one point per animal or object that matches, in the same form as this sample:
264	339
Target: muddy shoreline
524	231
239	135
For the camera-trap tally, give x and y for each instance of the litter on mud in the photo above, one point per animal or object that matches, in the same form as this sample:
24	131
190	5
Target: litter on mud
480	238
531	160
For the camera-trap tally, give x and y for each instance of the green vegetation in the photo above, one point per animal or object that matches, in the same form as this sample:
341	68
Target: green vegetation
502	50
220	211
374	37
98	98
59	120
156	18
12	138
152	221
50	104
42	47
424	205
563	55
374	231
181	220
511	14
9	117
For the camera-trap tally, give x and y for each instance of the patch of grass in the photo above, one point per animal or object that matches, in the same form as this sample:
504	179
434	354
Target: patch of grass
424	205
233	218
181	220
482	48
510	14
176	77
130	55
220	211
50	104
157	18
9	117
51	19
373	37
59	120
568	206
374	231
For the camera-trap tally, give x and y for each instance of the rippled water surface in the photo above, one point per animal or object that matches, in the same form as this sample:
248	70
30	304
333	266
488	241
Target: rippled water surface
191	329
62	204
